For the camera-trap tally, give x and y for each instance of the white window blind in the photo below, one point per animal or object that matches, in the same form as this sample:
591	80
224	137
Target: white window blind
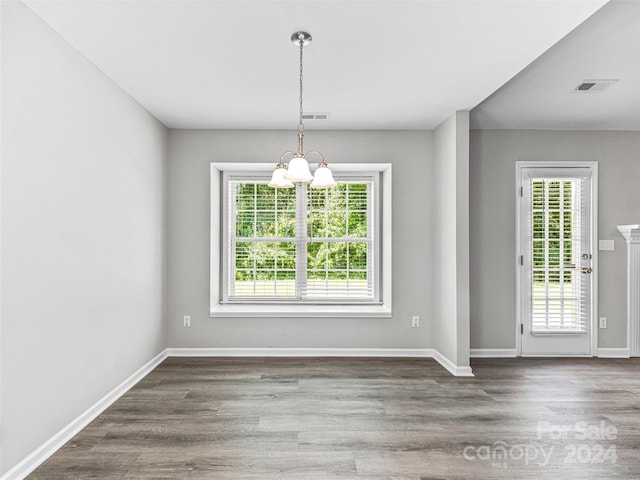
559	302
262	241
300	244
339	242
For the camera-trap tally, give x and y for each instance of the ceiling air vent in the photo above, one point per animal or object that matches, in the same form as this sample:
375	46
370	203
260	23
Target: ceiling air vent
315	116
594	86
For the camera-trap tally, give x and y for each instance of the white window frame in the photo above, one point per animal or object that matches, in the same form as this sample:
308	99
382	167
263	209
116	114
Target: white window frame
219	308
373	240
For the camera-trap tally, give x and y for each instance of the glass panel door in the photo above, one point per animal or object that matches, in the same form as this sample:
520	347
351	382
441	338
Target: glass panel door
556	261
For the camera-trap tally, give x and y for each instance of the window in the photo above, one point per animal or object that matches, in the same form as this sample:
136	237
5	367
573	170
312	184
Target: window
300	251
300	244
557	282
260	248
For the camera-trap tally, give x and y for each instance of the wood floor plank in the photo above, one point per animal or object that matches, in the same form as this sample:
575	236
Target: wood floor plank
364	419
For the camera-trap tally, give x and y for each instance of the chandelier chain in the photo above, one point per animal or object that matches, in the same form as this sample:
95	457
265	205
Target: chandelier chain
301	123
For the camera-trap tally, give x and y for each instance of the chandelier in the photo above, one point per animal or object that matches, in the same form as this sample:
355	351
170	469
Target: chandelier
298	169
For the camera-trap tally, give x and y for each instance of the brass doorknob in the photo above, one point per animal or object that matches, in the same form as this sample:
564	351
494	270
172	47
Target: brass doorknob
587	270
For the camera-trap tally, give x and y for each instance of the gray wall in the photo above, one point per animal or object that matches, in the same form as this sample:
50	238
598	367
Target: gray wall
492	213
82	234
190	154
450	199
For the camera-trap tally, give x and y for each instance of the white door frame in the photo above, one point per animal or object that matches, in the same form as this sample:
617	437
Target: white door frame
593	165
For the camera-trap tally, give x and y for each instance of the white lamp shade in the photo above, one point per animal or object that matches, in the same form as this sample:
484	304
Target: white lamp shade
278	180
323	178
298	170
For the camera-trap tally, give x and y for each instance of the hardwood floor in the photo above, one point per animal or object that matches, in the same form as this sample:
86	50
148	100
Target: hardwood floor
367	419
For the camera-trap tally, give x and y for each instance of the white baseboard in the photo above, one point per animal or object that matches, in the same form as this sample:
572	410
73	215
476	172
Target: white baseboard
300	352
39	455
512	353
493	353
613	353
323	352
456	370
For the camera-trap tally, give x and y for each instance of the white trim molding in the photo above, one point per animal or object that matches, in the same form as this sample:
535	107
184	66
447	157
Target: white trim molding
455	370
493	353
218	308
48	448
458	371
631	234
243	310
301	352
613	353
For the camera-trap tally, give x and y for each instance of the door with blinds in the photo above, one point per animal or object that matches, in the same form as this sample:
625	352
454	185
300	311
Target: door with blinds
556	260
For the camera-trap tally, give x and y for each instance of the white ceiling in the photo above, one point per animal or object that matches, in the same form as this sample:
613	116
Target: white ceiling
372	64
542	96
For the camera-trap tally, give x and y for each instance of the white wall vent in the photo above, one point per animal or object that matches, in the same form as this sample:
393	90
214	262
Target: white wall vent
315	116
595	86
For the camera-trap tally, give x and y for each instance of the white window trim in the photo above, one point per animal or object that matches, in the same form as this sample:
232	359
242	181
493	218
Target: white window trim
374	238
218	309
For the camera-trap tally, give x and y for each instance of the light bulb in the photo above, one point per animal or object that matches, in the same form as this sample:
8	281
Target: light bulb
278	179
298	170
323	178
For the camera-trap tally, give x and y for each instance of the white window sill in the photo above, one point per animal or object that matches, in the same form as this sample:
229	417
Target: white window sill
307	311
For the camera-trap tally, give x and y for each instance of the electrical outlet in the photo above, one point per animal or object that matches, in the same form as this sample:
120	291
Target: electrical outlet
415	321
603	322
187	321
